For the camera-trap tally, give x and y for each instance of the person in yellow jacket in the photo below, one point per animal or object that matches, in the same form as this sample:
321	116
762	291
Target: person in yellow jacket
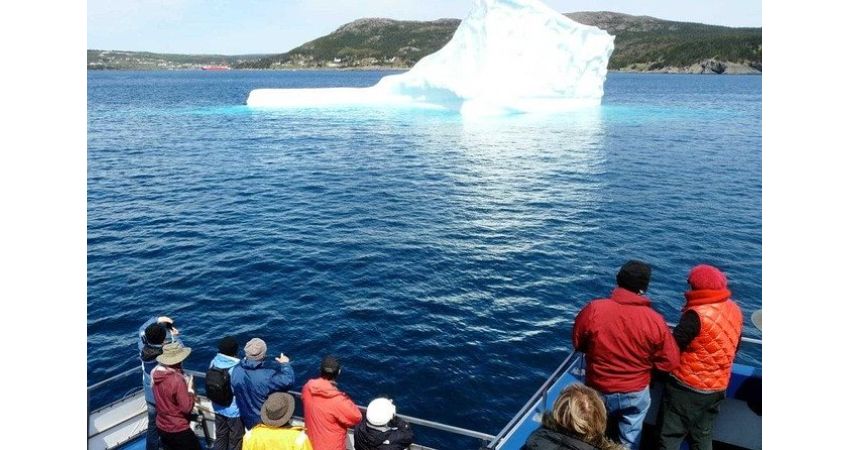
274	432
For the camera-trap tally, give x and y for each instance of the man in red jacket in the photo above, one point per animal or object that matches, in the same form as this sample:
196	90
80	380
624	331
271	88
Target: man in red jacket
624	339
708	335
174	399
328	412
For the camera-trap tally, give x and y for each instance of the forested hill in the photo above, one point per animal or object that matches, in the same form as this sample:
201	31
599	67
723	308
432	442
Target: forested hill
642	44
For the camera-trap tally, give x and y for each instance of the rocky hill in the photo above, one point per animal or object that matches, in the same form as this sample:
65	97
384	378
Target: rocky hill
642	43
645	43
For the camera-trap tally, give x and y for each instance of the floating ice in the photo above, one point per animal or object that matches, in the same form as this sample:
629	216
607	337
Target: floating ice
507	56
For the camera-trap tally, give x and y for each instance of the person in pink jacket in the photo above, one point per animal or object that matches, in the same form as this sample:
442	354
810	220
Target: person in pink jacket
328	412
174	399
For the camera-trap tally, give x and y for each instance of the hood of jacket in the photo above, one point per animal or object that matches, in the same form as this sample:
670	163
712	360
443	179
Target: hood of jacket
627	297
161	373
223	361
321	387
251	364
546	439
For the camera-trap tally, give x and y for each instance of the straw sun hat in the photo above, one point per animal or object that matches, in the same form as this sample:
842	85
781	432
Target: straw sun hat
173	353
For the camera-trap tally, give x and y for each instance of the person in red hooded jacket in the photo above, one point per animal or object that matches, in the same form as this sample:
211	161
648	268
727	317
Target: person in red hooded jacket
328	412
708	335
174	399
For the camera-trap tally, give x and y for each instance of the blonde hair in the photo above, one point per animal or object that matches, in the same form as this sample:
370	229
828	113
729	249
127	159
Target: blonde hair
579	410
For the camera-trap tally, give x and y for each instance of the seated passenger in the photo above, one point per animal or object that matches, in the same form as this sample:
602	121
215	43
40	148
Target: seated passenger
381	429
275	432
577	422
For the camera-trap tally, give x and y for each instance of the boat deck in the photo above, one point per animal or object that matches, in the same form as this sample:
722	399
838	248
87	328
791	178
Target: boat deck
123	423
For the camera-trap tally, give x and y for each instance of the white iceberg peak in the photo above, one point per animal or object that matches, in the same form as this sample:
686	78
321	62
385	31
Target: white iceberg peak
507	56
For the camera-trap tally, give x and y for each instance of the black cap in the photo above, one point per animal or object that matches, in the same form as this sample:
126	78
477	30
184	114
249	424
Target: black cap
330	366
228	346
634	276
155	334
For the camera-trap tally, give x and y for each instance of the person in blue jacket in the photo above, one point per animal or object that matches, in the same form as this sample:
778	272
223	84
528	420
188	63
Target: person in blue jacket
254	379
228	426
152	335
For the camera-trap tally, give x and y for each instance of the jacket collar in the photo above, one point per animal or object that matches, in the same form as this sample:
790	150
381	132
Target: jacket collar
564	439
225	361
251	363
706	297
627	297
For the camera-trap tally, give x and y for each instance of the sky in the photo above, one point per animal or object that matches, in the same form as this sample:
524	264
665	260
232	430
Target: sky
234	27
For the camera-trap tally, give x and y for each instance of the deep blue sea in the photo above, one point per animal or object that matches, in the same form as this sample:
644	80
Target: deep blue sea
442	260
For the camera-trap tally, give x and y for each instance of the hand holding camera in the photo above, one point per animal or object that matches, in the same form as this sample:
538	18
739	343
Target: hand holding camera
168	323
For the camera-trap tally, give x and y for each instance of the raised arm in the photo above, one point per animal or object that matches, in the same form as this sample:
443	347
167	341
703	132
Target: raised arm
157	319
141	333
283	378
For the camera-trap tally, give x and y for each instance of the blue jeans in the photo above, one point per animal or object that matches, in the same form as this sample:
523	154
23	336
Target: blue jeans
152	438
627	410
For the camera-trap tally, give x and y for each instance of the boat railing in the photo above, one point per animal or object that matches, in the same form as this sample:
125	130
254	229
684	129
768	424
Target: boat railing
569	362
113	378
573	363
410	419
746	339
485	438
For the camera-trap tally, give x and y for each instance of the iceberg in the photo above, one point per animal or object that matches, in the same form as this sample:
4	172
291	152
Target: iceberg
506	57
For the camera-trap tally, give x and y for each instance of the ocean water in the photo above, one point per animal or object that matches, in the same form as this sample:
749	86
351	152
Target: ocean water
442	260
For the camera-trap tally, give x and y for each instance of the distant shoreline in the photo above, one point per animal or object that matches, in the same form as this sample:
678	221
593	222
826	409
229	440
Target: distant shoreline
391	69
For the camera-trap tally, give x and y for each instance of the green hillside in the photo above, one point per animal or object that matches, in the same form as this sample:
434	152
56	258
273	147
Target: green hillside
642	43
643	40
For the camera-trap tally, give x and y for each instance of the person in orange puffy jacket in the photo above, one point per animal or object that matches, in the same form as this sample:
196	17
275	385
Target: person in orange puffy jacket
328	412
708	335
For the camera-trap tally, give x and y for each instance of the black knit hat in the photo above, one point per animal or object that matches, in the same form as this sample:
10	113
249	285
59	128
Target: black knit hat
634	276
330	366
155	334
228	346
